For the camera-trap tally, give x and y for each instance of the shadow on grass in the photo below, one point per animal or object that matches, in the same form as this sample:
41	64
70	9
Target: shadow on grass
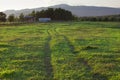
89	48
116	27
5	45
98	76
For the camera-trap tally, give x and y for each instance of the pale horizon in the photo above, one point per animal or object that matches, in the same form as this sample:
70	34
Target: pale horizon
28	4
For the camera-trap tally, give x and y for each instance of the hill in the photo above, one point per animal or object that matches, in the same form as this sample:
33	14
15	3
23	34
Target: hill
76	10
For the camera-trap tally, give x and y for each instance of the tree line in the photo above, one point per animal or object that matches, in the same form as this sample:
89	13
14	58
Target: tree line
101	18
54	14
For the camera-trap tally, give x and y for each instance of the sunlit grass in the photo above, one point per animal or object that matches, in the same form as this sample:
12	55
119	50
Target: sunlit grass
78	51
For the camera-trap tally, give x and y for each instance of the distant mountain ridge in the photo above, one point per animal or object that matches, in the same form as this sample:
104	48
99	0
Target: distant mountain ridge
79	11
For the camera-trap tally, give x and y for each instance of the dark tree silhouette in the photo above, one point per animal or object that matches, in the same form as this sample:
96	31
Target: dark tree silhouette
54	14
2	17
101	18
21	17
11	18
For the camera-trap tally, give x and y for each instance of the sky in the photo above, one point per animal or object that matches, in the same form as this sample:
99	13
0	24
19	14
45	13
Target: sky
23	4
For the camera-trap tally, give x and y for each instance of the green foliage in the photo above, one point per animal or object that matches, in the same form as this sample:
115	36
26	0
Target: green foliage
101	18
11	18
54	14
2	17
21	17
33	14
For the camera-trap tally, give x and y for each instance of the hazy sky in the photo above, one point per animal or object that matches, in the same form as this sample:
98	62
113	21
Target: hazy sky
22	4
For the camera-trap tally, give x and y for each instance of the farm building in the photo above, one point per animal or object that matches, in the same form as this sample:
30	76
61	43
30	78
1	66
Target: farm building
44	19
29	19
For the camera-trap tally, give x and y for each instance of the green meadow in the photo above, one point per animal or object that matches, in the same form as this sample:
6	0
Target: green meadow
60	51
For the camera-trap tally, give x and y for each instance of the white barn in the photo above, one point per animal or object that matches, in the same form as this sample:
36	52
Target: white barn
44	19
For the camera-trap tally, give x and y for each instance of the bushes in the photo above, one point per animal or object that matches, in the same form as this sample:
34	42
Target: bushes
101	18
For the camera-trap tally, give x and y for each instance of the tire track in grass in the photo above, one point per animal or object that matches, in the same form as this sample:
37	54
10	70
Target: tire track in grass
81	61
72	49
71	46
47	59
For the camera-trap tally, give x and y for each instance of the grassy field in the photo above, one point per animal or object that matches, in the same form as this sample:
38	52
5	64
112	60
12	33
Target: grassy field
60	51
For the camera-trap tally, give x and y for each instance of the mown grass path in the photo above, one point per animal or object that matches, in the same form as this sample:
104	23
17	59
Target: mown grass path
47	59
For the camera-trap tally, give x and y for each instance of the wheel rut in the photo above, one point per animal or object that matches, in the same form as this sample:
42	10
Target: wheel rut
47	59
72	49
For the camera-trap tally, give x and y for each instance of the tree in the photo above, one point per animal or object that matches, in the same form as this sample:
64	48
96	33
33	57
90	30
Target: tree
61	14
54	14
11	18
16	19
43	14
33	14
2	17
37	15
21	17
50	13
